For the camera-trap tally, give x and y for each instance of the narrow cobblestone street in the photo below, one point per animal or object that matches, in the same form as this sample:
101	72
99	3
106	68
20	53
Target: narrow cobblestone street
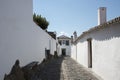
66	69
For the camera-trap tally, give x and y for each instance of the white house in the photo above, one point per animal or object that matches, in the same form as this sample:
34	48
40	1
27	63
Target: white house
99	47
65	45
20	37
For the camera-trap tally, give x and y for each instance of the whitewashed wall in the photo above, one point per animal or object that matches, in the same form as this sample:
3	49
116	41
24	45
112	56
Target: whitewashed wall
52	45
79	52
106	57
82	53
58	49
73	52
20	38
68	48
105	52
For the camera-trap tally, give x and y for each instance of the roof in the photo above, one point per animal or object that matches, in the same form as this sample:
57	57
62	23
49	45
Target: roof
63	37
102	26
52	34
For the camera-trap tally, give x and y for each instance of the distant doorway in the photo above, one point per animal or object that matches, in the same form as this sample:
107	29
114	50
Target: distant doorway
64	52
89	53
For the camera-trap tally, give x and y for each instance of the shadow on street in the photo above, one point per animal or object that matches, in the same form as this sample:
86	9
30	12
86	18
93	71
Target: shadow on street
52	70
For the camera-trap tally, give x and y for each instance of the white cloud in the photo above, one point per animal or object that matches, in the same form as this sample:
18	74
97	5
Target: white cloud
63	33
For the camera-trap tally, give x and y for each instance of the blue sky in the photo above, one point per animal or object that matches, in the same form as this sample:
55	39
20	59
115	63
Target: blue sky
67	16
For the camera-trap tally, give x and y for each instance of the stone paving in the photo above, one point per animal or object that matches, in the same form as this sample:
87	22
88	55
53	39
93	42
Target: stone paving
66	69
52	70
74	71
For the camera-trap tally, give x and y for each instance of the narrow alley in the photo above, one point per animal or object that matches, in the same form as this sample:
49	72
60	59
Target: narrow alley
65	68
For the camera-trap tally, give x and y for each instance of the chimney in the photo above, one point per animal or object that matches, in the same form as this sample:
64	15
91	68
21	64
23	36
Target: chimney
101	15
75	35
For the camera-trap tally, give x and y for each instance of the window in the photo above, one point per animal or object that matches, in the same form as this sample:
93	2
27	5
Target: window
64	42
67	42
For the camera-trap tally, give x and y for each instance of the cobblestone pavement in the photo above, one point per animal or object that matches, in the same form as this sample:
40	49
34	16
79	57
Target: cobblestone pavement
66	69
74	71
52	70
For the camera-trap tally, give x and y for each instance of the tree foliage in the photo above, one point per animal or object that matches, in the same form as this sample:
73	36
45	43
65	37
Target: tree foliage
40	21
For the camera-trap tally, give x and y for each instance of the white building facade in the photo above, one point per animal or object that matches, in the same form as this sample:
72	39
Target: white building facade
20	37
64	45
98	49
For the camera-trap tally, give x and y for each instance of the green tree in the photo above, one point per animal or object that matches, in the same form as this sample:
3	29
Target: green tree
40	21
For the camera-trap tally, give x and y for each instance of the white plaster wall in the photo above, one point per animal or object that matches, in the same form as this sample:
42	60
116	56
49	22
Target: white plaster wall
105	52
79	51
68	48
106	57
73	52
53	45
59	50
82	53
20	38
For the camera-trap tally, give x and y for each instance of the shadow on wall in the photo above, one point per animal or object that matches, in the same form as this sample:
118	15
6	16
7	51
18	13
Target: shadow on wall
108	33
